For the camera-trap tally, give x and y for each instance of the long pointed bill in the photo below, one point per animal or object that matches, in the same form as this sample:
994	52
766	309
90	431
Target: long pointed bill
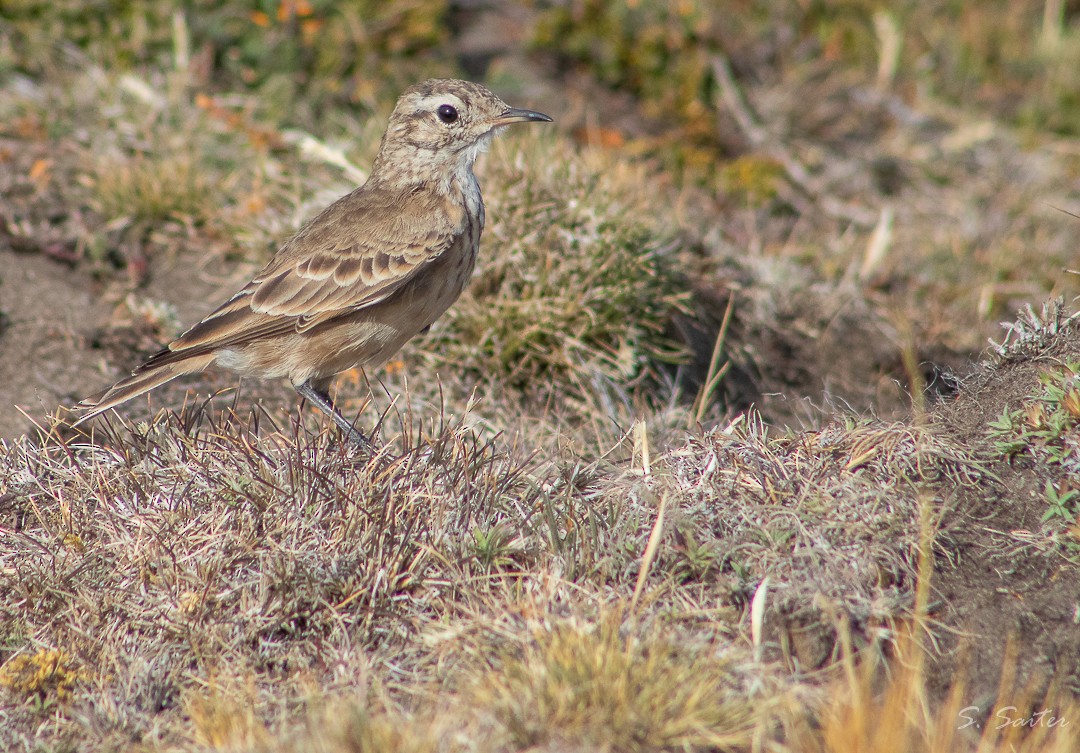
514	115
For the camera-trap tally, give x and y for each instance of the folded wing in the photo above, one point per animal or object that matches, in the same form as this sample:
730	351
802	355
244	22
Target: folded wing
319	276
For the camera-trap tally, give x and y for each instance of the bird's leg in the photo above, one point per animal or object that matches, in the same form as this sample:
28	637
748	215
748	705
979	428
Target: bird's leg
321	400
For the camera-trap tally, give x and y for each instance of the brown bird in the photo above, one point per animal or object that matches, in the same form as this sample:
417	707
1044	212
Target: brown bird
372	270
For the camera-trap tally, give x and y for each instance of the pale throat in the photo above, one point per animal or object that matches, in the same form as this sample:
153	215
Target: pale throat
445	171
460	176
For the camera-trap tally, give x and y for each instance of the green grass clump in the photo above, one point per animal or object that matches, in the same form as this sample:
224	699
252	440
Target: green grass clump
1045	425
574	291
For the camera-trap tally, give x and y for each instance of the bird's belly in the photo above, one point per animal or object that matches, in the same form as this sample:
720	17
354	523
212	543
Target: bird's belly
317	353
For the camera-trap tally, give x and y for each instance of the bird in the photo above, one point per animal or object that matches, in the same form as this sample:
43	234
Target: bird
368	273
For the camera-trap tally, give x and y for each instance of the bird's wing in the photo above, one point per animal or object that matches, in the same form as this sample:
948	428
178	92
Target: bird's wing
356	253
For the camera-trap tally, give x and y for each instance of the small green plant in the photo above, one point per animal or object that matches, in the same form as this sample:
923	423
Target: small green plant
1046	424
1008	434
695	558
1047	428
1061	504
496	546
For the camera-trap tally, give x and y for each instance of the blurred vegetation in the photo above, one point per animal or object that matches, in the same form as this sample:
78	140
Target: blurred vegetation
299	54
657	51
1020	60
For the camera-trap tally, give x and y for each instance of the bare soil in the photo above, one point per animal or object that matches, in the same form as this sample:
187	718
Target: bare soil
1000	581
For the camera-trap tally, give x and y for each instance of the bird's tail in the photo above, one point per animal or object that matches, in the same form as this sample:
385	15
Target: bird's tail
143	380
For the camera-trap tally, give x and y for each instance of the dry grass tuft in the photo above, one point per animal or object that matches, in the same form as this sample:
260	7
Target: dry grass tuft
221	721
885	708
151	188
349	728
831	515
602	686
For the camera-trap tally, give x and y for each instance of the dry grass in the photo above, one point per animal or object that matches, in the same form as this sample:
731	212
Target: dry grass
151	189
601	686
214	578
879	708
231	560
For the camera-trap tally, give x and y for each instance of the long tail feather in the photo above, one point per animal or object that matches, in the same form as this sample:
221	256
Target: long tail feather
141	381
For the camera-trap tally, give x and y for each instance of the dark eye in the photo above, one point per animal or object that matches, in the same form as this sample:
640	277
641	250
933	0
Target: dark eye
446	113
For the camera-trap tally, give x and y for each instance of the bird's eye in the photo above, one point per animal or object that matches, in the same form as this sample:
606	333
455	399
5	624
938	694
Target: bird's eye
447	113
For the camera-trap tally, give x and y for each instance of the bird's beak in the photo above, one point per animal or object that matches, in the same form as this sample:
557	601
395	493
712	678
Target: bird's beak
514	115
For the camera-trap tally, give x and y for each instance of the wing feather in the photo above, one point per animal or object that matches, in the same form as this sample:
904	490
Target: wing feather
355	254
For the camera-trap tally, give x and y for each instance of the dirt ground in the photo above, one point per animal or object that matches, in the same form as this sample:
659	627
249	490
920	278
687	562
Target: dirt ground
56	353
44	360
1000	581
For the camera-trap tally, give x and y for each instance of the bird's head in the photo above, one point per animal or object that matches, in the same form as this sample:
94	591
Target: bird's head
438	128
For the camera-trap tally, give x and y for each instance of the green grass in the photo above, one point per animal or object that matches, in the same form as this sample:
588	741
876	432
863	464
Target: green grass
1043	426
573	297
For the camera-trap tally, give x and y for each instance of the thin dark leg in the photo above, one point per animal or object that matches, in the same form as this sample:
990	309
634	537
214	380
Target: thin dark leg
322	401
